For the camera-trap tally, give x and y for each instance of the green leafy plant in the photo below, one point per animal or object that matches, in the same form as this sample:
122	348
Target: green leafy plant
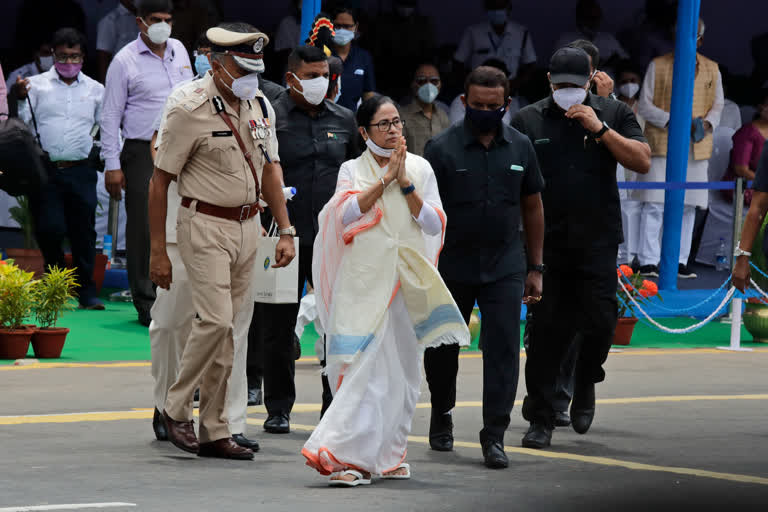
18	292
54	295
22	214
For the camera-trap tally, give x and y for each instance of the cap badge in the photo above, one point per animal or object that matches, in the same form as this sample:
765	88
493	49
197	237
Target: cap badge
258	46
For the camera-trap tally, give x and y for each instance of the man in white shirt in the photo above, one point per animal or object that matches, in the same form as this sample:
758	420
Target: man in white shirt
499	38
116	29
66	105
654	107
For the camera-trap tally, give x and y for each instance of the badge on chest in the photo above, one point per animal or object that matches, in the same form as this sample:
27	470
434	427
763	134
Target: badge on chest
260	128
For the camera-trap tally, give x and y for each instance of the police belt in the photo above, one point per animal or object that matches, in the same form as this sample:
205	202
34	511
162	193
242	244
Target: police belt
235	213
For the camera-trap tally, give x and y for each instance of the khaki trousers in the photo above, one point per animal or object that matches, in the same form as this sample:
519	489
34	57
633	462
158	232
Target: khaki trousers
172	316
219	256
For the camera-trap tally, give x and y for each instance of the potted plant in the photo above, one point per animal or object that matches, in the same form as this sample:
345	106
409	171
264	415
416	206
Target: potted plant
29	258
641	290
756	310
17	295
54	296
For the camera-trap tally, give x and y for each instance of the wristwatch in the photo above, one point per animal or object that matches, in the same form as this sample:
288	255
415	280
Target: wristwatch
290	231
741	252
540	268
602	131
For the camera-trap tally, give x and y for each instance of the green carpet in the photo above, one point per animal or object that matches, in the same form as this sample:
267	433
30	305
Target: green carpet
116	335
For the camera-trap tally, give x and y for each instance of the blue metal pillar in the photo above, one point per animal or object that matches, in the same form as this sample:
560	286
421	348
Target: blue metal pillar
309	9
679	138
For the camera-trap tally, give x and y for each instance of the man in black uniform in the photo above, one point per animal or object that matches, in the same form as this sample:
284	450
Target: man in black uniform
488	176
579	137
317	136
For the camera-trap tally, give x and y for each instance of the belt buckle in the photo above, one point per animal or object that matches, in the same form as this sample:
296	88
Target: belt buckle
245	212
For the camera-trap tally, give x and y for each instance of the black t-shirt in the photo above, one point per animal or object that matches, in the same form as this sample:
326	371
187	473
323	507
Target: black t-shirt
581	199
760	183
481	191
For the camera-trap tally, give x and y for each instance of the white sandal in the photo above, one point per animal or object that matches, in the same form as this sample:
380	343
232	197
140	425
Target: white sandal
359	480
406	476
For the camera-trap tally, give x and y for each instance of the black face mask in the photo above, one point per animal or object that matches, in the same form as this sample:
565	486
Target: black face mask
484	121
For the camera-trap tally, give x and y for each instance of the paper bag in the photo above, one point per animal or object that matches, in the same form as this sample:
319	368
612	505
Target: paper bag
275	285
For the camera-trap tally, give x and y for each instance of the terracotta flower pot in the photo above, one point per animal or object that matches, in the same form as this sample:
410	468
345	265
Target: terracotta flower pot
30	260
14	343
99	269
624	329
48	343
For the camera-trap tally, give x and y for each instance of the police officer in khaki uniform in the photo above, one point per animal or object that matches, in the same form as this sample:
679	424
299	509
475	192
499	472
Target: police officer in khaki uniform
221	146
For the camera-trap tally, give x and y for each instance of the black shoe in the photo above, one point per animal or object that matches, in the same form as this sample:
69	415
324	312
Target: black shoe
493	453
583	408
158	425
683	272
562	419
526	410
277	424
441	432
145	318
649	270
296	347
538	436
254	396
243	441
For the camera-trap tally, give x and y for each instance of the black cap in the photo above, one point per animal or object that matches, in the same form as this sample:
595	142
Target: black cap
569	66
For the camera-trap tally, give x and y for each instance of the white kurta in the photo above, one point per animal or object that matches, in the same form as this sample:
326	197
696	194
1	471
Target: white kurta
697	169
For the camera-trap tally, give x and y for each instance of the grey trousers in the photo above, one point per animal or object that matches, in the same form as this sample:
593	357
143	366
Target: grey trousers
136	162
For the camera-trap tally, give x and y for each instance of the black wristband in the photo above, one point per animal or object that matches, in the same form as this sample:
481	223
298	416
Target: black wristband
602	131
407	190
541	268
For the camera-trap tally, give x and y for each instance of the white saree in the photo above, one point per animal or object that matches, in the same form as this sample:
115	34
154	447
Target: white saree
380	301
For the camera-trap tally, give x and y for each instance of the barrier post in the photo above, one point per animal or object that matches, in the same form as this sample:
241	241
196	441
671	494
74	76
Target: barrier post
736	303
679	139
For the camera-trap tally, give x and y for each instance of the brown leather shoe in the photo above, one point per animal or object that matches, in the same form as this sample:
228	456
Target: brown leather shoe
225	449
181	434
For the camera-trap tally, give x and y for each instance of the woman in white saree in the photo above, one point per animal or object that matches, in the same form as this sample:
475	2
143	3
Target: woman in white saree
380	301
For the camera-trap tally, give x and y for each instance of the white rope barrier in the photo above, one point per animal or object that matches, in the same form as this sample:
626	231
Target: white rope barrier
685	330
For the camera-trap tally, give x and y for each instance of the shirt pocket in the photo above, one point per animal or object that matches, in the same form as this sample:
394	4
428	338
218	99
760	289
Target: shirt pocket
509	182
463	188
224	154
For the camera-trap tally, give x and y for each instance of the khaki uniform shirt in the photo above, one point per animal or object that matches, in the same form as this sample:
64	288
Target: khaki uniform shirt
198	147
419	129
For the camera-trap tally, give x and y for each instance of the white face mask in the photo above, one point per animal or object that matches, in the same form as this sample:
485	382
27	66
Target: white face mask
253	65
158	33
46	62
629	90
378	150
244	87
569	96
428	93
314	90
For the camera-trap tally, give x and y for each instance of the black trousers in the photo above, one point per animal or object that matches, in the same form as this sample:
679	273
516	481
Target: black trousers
499	304
274	359
137	165
579	297
66	208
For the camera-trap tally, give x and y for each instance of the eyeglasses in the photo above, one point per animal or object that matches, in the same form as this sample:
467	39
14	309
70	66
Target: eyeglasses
345	26
421	80
74	58
384	124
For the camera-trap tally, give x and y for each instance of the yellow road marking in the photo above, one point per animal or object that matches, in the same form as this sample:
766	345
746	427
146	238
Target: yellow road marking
471	355
144	413
601	461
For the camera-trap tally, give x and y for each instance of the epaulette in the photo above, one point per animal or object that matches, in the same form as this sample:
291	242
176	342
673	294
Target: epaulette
194	100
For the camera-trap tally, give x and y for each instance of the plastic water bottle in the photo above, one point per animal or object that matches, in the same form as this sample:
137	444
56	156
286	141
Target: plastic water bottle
721	261
107	248
288	193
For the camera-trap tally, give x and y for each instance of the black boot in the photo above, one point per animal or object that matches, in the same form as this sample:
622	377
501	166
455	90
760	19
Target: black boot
493	452
583	407
539	436
158	425
441	432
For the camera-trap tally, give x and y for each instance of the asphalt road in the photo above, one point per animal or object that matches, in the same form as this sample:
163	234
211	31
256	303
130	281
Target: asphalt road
675	430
